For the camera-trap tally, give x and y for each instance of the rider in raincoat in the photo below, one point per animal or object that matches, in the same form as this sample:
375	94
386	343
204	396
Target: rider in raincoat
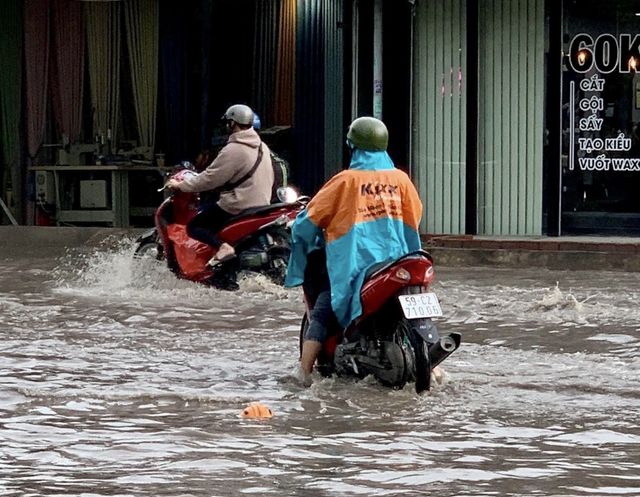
363	216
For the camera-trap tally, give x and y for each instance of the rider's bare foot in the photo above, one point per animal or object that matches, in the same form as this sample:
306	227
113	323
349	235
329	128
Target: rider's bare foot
224	253
301	377
438	374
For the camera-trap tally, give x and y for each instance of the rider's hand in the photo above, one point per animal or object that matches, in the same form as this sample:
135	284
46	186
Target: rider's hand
173	184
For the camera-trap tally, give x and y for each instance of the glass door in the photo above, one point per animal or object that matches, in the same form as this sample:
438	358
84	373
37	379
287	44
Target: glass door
601	118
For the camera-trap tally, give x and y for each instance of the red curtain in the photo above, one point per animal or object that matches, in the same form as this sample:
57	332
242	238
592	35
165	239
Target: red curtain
67	67
36	55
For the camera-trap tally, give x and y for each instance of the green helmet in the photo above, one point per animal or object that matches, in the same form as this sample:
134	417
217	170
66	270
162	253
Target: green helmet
368	133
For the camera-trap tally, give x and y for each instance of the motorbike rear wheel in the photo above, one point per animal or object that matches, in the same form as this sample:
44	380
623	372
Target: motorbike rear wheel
422	368
399	357
149	249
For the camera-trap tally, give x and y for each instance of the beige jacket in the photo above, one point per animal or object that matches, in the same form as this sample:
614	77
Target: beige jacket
235	160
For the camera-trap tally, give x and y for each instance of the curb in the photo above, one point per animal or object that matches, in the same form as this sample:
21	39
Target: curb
573	260
555	253
448	251
67	236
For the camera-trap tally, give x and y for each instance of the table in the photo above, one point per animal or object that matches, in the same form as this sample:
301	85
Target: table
117	212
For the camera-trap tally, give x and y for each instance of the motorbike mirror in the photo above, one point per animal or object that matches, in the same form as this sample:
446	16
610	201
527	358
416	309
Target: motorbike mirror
287	195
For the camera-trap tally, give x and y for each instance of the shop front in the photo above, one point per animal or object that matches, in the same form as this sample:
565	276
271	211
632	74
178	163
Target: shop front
514	117
527	117
479	115
600	135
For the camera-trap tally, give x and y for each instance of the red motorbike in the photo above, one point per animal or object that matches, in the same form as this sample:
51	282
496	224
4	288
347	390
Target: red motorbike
395	338
260	236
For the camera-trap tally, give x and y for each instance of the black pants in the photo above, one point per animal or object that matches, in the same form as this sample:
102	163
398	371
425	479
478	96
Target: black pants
205	225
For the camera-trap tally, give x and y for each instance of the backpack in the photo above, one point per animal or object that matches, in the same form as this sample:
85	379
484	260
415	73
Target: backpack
280	175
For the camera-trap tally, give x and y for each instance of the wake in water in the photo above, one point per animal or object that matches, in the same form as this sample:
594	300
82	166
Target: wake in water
466	303
111	270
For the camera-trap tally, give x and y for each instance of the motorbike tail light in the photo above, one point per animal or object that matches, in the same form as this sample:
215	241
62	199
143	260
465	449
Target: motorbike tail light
429	274
402	274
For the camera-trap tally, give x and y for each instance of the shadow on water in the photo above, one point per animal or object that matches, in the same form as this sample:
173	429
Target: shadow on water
119	379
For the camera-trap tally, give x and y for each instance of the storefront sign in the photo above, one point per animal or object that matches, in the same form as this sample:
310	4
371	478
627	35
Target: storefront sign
591	104
607	53
600	117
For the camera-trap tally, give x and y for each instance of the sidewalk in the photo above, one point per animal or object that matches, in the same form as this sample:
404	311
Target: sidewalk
63	236
574	253
567	252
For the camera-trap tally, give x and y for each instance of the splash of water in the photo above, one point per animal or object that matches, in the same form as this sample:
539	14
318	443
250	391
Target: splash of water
556	299
115	272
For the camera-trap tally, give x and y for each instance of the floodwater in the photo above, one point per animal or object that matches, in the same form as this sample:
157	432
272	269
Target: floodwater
118	380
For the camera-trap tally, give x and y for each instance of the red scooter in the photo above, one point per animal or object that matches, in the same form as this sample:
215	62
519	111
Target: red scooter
261	238
394	339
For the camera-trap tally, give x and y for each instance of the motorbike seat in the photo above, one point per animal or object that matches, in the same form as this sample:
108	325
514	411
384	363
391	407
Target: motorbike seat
375	268
253	211
382	266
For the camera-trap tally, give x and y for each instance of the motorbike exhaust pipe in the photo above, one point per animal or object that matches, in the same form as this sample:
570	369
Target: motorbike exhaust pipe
443	348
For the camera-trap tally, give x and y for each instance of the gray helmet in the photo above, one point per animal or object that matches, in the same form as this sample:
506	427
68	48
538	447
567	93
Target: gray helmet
239	113
368	133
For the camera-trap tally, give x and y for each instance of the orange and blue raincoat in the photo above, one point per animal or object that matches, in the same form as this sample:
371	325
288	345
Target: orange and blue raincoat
365	215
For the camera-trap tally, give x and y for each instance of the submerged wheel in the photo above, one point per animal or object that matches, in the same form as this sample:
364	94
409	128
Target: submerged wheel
279	254
422	366
278	269
149	250
397	368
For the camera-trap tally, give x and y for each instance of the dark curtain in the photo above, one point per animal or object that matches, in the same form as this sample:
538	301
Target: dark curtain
286	64
310	89
231	60
104	38
206	20
266	30
67	68
36	48
319	116
174	73
334	125
142	20
206	65
11	172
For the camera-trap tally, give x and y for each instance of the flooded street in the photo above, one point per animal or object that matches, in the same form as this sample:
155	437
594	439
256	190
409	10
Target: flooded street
119	380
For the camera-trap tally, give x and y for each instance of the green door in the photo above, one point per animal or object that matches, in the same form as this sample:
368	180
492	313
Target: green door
510	116
439	138
510	125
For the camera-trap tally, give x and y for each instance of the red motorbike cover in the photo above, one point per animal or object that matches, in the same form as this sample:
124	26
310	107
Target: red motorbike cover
192	255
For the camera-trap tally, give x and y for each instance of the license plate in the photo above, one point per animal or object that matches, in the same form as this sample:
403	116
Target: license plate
420	305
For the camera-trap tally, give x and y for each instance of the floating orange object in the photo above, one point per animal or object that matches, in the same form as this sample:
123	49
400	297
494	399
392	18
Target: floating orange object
256	410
